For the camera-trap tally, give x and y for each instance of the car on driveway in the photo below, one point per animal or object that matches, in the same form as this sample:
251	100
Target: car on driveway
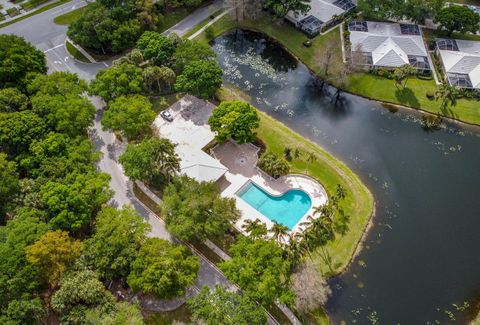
167	115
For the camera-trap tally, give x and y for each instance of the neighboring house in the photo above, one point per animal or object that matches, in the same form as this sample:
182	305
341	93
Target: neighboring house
461	62
321	13
388	45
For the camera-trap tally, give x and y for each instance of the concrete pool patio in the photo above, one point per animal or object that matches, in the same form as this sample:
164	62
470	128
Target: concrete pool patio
231	165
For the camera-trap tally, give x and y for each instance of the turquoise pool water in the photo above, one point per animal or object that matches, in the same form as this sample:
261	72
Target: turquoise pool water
286	209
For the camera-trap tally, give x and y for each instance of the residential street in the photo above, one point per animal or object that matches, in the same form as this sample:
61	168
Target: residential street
49	37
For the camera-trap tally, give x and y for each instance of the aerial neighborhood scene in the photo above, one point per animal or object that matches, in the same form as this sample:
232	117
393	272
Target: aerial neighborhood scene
239	162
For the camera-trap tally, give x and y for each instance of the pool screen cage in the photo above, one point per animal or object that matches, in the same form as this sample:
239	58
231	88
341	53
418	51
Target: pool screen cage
459	80
408	29
447	44
358	26
419	62
346	5
311	24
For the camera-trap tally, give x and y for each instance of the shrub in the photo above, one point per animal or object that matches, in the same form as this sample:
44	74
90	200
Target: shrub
430	95
274	166
209	32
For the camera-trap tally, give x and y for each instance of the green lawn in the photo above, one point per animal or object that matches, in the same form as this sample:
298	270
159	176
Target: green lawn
203	23
181	314
169	19
69	17
161	103
363	84
76	53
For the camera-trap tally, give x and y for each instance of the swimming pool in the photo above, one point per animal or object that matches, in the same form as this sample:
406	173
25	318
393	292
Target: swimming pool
286	209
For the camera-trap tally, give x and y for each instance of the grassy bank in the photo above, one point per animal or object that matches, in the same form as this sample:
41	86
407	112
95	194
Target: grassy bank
70	17
329	171
363	84
76	53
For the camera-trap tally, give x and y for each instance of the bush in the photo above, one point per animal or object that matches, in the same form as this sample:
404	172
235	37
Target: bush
430	95
13	12
307	43
209	32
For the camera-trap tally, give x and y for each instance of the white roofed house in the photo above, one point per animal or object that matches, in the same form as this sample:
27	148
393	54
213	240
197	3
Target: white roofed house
388	45
461	62
321	13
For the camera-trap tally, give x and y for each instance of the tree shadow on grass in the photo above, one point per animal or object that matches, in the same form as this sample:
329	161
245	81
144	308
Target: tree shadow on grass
448	111
407	97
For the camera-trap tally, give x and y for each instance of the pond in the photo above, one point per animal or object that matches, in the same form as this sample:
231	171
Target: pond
420	262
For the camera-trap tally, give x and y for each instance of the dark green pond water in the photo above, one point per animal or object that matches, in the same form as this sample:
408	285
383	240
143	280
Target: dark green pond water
423	254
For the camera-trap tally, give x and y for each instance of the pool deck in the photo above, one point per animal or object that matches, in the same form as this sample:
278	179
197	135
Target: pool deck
241	161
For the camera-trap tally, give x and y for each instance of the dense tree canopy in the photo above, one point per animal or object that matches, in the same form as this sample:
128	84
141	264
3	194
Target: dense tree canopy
79	291
259	268
163	269
9	184
150	160
53	253
18	58
281	7
156	47
195	210
122	313
189	51
219	306
116	81
458	19
12	100
20	282
130	115
200	78
415	10
236	120
116	241
18	130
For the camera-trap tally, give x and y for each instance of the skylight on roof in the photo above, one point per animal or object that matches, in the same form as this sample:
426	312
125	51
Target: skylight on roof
447	45
408	29
358	26
344	4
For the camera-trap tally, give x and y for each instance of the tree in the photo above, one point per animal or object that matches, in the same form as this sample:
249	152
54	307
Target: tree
124	79
281	7
402	74
79	291
418	10
19	280
310	288
122	313
156	47
163	269
53	253
195	210
456	18
259	268
117	239
255	228
18	130
72	203
241	9
447	95
150	159
236	120
273	165
325	55
9	184
280	233
189	51
219	306
200	78
12	100
163	78
57	83
131	115
24	311
18	58
382	9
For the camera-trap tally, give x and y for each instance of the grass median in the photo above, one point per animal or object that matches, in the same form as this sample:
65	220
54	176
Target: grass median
36	12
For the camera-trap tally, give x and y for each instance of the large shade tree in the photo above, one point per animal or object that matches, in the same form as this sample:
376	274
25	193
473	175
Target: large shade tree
281	7
259	268
118	236
156	47
200	78
9	184
18	58
150	159
236	120
163	269
130	115
456	18
118	80
220	306
195	210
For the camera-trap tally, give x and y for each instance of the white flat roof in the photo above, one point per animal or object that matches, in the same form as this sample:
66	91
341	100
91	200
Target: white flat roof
465	61
190	131
388	46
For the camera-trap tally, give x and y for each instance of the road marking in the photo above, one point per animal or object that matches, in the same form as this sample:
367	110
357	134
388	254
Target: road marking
105	64
53	48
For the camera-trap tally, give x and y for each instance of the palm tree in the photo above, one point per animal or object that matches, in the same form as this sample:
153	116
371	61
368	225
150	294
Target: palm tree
255	228
280	232
167	162
448	95
340	192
